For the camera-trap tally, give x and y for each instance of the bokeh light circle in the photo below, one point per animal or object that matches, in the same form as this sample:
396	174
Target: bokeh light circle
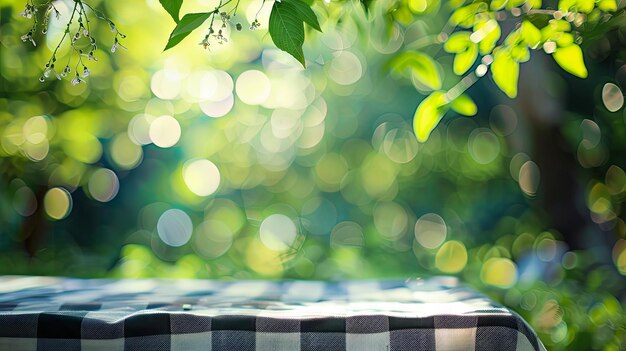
57	203
612	97
499	271
484	146
451	257
174	227
139	129
212	239
35	129
430	230
529	177
391	220
103	185
165	131
278	232
253	87
218	109
124	152
345	68
202	177
164	85
347	234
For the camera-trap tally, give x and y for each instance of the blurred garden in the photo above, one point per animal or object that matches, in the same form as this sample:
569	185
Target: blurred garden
224	157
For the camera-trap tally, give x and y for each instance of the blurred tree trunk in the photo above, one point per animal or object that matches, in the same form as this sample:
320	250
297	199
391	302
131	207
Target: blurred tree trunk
561	193
34	226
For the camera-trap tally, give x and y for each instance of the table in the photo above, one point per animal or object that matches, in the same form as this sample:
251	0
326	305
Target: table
42	313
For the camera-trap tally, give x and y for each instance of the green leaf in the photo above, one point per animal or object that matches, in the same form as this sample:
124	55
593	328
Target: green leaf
566	5
420	66
488	33
514	3
454	4
186	25
172	7
287	29
464	105
428	114
570	58
465	16
607	5
585	6
425	71
505	72
306	13
463	61
561	25
457	42
530	34
565	39
497	4
520	53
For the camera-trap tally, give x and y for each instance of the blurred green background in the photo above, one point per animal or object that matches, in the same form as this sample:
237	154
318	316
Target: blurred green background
237	163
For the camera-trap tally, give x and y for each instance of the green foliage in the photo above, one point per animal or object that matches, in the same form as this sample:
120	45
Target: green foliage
428	114
556	32
570	58
488	33
530	34
584	6
420	66
304	11
464	105
607	5
466	51
286	26
505	72
185	26
466	16
547	29
172	7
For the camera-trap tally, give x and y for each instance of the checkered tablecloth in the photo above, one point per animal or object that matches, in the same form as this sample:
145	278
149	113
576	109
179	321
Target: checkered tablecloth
38	313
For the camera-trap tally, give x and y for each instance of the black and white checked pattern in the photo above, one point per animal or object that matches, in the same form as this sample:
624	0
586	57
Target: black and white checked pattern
38	313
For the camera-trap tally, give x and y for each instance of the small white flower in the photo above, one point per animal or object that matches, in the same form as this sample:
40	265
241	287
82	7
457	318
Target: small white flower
90	56
51	71
76	80
86	72
27	37
117	45
27	13
113	28
85	32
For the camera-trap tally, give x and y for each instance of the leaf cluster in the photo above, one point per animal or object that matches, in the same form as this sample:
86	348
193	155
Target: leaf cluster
286	24
477	41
